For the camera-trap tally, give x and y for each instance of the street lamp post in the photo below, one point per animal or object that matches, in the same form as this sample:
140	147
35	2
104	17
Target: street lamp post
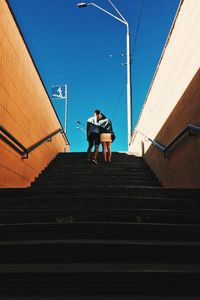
128	60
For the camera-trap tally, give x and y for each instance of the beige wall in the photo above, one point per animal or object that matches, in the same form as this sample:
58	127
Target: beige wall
173	102
25	109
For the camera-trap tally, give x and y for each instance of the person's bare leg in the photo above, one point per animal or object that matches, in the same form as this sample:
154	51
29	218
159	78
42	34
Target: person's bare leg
104	151
109	151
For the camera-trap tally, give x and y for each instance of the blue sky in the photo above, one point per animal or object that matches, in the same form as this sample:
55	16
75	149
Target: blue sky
72	46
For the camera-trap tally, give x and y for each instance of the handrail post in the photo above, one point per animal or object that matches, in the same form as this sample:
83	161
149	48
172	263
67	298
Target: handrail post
25	155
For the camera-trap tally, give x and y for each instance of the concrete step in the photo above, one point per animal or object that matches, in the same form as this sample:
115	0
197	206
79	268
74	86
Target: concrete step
98	251
82	173
115	155
82	198
131	215
100	279
100	268
84	163
101	182
152	192
68	229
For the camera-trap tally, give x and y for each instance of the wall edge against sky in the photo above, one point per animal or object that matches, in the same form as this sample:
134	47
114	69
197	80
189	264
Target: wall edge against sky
34	64
159	62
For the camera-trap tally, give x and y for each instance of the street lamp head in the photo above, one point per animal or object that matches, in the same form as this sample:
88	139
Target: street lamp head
82	4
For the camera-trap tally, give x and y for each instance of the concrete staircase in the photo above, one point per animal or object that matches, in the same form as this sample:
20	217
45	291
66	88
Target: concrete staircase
90	231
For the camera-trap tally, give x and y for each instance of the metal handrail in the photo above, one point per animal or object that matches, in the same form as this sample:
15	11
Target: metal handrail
15	144
190	129
20	148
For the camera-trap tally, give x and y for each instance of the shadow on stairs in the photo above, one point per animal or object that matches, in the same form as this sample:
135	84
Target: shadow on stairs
87	231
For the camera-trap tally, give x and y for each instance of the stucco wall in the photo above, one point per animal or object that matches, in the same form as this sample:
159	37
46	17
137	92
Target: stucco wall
25	109
173	102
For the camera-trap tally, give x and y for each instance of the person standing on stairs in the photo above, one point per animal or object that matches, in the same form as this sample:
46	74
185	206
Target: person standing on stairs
93	136
106	132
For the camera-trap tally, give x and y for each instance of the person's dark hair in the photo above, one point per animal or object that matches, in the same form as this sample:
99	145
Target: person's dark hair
103	117
97	111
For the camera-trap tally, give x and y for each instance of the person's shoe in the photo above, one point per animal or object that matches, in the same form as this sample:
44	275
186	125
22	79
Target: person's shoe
94	161
88	159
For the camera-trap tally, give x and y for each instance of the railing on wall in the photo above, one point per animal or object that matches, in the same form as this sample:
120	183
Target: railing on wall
8	138
187	131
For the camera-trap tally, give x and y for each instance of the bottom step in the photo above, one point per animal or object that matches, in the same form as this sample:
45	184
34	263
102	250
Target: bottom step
98	279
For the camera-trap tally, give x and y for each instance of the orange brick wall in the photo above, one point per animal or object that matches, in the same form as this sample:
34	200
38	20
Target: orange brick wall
25	109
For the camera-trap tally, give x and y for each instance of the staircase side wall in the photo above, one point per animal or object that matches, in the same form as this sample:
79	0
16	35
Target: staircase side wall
173	102
25	108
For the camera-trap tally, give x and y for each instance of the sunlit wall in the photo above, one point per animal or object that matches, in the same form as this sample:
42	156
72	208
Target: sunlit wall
25	108
173	102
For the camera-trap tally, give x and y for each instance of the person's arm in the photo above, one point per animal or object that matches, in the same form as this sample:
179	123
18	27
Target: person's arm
87	128
111	128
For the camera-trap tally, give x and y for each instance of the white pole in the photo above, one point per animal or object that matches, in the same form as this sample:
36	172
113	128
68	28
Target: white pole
128	54
129	86
65	129
129	92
